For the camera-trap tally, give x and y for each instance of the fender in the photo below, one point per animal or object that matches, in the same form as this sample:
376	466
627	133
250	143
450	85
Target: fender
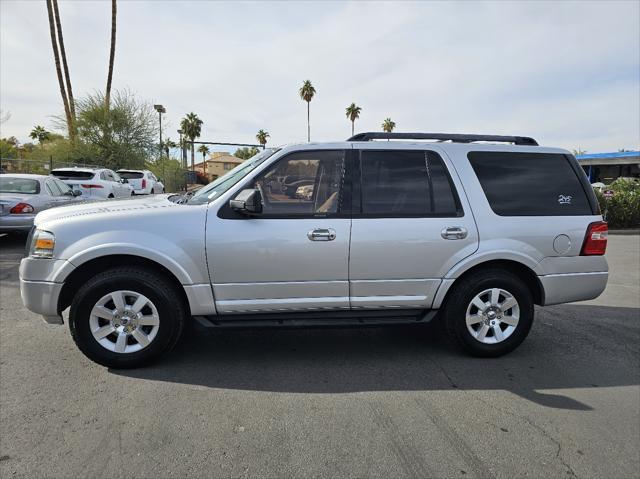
129	249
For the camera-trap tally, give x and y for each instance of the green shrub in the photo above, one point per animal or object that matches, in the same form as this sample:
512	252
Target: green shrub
622	210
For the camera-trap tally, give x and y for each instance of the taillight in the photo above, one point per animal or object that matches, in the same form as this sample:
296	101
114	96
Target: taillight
91	185
595	241
21	208
144	183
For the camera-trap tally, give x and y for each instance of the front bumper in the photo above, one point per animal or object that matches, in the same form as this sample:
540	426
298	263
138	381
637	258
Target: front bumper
41	281
570	287
41	297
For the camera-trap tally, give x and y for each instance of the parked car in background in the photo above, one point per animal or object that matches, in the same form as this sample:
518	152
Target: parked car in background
23	196
143	182
465	227
95	183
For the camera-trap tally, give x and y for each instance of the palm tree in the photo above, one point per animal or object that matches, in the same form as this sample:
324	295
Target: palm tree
40	134
191	127
204	149
388	125
112	53
307	91
63	54
262	137
353	113
167	144
56	58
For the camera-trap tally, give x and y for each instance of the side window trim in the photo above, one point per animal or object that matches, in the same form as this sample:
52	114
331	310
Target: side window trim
357	188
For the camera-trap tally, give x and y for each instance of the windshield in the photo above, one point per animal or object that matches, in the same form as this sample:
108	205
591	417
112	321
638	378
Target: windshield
19	185
222	184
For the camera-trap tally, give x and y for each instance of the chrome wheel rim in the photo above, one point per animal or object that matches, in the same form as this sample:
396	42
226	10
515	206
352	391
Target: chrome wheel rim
492	316
124	321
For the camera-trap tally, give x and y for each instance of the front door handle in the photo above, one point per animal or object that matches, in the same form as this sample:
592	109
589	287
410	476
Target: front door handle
322	234
454	233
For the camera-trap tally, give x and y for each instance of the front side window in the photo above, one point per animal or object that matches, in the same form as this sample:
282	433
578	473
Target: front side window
530	184
52	188
64	188
305	183
406	183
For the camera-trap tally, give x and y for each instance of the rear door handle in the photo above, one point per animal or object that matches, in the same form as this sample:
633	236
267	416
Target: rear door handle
322	234
454	233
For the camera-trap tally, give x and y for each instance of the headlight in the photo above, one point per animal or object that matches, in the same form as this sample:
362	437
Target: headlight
42	244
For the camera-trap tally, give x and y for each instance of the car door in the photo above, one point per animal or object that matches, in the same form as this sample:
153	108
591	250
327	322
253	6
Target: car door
121	188
295	254
411	224
52	193
66	193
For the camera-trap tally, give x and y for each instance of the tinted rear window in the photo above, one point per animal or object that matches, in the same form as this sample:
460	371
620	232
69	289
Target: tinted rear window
72	175
530	184
130	175
19	185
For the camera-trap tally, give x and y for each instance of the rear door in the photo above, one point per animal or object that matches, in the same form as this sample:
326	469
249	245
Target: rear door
411	223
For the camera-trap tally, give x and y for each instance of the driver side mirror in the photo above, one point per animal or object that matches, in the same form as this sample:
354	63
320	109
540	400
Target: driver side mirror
247	202
76	193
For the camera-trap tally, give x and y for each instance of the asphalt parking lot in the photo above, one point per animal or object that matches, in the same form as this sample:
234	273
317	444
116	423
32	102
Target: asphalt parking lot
331	403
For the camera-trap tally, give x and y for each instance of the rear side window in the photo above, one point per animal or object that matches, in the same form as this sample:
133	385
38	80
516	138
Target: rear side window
406	183
530	184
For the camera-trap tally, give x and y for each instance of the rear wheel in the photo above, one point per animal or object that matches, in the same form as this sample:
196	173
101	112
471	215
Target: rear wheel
126	317
110	195
489	313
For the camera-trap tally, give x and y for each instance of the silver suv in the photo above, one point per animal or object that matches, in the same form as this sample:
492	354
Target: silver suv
477	228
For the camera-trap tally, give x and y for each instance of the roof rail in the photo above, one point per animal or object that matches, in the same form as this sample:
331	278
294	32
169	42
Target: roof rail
454	137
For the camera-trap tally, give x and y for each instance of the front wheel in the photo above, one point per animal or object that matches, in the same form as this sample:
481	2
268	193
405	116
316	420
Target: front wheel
489	313
126	317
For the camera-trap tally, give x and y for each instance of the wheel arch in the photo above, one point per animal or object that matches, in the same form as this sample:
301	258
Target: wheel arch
521	270
89	268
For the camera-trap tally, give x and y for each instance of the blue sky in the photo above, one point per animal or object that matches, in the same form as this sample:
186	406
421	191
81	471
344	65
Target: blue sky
567	73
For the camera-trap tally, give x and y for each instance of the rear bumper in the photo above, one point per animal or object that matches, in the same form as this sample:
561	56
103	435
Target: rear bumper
570	287
16	222
41	297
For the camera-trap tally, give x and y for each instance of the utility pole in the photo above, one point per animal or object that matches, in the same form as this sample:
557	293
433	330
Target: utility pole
160	109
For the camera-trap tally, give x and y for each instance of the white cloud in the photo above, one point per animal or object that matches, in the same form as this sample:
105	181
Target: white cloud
566	73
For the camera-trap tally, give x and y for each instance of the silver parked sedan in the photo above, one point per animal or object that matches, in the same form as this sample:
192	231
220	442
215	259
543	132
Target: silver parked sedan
23	196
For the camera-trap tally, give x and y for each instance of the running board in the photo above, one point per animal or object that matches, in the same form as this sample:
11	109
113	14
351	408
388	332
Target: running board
329	319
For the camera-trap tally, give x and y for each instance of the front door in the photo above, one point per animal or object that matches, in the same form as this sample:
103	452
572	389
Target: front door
410	226
295	254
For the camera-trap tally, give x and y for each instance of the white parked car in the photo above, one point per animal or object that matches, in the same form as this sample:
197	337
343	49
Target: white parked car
143	182
95	183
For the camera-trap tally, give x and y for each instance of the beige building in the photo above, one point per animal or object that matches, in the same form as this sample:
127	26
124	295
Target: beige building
218	164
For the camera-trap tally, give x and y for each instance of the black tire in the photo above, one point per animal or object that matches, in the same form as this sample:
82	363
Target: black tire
110	196
455	310
168	302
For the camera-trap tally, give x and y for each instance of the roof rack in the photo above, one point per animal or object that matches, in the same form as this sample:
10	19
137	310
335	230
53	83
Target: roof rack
454	137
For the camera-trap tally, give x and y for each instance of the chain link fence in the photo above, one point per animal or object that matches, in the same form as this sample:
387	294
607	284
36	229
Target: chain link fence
174	180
